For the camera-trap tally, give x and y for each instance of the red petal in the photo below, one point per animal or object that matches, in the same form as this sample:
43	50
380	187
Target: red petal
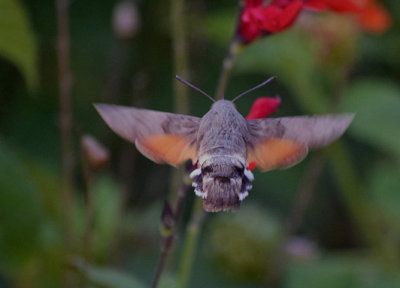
279	15
263	107
251	166
315	5
341	6
253	3
281	3
374	18
250	23
344	5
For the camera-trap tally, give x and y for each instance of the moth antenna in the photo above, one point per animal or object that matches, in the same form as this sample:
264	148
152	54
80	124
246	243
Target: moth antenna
254	88
195	88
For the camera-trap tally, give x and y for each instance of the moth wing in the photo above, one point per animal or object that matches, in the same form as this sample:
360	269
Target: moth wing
283	142
160	136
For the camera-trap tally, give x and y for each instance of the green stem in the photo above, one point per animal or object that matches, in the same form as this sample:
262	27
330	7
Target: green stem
64	83
363	213
168	226
227	65
190	244
168	223
305	193
180	55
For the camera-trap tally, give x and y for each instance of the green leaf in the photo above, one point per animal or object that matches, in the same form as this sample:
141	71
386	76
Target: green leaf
107	277
219	25
19	211
384	187
168	281
290	56
107	203
17	40
377	105
243	242
340	272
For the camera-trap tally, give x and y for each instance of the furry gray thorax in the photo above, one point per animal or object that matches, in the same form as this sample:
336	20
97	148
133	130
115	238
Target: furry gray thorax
223	131
220	179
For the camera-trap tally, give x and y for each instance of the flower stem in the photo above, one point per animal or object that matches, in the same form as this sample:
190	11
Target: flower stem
227	65
304	196
170	215
180	55
190	244
64	83
305	193
169	219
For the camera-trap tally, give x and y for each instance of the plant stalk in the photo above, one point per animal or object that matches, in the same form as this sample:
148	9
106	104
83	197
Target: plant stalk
64	83
180	55
170	215
227	65
190	244
168	228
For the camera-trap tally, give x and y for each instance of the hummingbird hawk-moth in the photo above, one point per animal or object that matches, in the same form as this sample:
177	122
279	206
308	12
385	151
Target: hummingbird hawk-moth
222	143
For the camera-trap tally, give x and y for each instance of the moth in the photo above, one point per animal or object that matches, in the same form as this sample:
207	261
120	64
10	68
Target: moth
222	143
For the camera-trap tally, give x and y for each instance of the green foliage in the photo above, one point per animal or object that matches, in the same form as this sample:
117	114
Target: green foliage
340	272
17	40
20	217
291	57
384	187
107	206
168	281
377	105
105	277
243	243
219	26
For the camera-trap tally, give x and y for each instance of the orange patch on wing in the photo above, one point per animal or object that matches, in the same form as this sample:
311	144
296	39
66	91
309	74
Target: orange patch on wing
277	153
171	149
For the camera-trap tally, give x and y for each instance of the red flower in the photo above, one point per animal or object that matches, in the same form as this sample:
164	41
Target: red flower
262	108
374	17
257	18
341	6
281	14
370	14
251	21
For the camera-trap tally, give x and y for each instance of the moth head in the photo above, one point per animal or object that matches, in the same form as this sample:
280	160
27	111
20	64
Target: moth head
222	185
223	104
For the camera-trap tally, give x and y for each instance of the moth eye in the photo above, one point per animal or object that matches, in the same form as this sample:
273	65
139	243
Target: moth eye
239	170
207	169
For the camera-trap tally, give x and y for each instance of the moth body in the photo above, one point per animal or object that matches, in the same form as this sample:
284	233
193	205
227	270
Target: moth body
221	179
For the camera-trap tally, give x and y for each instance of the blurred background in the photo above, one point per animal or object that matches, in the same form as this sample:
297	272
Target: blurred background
331	221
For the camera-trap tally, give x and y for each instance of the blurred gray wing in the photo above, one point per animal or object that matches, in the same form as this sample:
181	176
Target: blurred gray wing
162	137
283	142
